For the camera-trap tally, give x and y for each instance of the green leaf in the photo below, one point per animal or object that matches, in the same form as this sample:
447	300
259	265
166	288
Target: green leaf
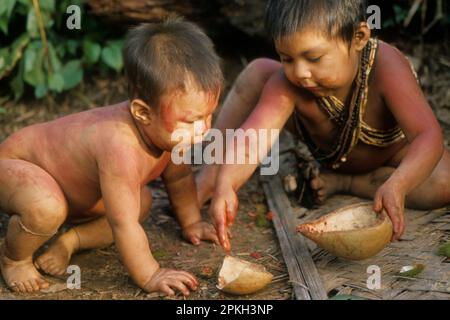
2	110
32	25
158	254
40	90
4	59
72	74
112	55
54	60
56	82
411	271
34	64
4	25
17	84
10	57
47	19
91	51
72	46
400	13
48	5
5	13
444	250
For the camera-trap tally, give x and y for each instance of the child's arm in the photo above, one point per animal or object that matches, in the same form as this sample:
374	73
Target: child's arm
182	193
274	108
120	185
407	103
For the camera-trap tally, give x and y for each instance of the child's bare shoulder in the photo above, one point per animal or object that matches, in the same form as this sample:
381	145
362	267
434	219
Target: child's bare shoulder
392	68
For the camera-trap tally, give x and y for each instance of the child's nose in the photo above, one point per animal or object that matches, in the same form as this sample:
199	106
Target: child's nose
302	71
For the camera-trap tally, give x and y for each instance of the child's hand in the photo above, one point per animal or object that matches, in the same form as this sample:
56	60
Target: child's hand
223	211
168	280
392	199
200	231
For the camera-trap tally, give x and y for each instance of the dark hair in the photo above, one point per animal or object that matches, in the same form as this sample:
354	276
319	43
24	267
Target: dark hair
337	18
161	57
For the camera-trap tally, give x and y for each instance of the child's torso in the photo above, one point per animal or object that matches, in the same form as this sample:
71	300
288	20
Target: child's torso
323	131
67	149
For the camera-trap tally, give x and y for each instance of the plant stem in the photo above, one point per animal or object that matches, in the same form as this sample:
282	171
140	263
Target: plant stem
37	10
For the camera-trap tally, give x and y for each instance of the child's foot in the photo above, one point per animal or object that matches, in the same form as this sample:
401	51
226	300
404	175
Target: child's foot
55	260
328	183
21	276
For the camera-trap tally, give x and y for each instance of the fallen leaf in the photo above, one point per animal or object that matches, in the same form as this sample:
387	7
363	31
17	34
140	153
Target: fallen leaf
255	255
206	272
159	254
444	250
261	208
411	271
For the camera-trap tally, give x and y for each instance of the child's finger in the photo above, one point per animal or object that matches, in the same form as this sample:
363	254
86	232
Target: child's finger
188	281
401	225
211	236
377	203
221	233
393	215
194	240
167	290
231	212
180	286
226	244
188	276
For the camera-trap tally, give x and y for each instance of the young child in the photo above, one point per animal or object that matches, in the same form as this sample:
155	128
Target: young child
353	99
93	167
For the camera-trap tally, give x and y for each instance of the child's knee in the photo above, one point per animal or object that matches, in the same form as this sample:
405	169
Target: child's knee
44	216
440	185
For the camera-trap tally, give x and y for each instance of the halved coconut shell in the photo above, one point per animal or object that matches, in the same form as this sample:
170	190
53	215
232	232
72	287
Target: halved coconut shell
242	277
354	232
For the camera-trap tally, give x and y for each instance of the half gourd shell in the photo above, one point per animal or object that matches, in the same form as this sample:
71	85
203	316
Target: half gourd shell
354	232
242	277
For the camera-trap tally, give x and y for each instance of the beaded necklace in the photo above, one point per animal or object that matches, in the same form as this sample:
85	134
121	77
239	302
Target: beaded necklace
351	126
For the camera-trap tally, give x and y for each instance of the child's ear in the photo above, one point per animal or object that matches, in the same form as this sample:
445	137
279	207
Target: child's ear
141	111
362	36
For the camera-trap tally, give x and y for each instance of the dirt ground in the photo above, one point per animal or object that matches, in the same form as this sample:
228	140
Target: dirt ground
102	275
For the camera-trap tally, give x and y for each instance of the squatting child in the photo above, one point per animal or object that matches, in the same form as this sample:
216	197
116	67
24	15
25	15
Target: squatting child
92	168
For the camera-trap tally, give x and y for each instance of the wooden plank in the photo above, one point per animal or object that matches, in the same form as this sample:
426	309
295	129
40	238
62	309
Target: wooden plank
296	278
294	245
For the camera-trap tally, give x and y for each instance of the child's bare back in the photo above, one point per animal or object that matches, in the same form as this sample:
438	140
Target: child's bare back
72	150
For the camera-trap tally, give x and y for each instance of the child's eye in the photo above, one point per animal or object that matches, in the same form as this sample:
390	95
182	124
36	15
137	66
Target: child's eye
314	59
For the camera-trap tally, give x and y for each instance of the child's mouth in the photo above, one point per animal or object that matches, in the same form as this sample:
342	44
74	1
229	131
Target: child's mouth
313	89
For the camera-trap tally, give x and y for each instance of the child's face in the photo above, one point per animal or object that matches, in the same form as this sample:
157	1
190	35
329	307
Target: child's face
180	110
313	61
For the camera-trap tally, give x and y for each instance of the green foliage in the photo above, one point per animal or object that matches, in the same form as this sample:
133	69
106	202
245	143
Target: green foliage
25	60
444	250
